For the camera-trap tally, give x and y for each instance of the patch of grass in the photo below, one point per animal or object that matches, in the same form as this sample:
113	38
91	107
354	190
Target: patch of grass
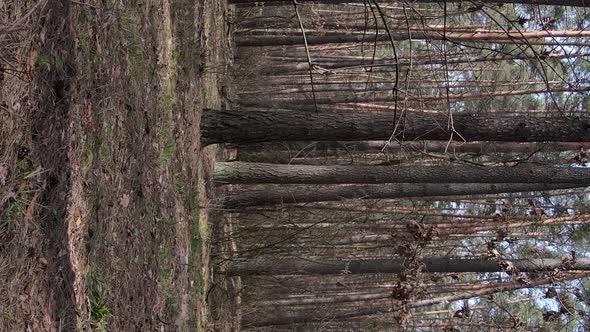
93	58
196	241
88	159
50	62
166	276
19	198
204	231
170	307
175	60
83	41
195	203
87	156
166	282
131	42
199	237
201	284
13	212
169	101
180	188
99	312
168	151
104	154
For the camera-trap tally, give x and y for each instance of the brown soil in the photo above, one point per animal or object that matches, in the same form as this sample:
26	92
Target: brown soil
103	182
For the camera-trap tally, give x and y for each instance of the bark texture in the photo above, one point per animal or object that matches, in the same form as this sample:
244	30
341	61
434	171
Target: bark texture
476	147
575	3
352	98
251	173
512	37
285	153
295	266
285	317
259	126
243	198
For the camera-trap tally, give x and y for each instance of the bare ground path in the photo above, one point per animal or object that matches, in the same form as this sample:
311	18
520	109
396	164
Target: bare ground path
102	179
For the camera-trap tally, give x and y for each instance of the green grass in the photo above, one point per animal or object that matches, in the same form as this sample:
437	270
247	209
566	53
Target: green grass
196	242
202	284
16	207
169	101
199	237
51	62
168	151
83	41
104	152
99	311
196	236
170	307
203	231
166	275
131	44
13	212
180	187
166	282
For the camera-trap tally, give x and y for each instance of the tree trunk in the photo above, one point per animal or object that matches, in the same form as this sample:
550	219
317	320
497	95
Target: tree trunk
290	317
296	266
475	147
340	298
352	98
337	38
266	126
575	3
236	199
252	173
284	153
298	67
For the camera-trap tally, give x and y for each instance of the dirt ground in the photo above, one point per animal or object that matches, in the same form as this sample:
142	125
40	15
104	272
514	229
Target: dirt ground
103	183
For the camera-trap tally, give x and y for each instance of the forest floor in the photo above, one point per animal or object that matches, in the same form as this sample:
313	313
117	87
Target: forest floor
103	182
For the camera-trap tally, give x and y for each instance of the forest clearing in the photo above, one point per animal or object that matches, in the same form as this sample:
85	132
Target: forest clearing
304	165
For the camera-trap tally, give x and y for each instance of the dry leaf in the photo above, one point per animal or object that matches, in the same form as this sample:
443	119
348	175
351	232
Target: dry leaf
125	200
3	175
43	261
